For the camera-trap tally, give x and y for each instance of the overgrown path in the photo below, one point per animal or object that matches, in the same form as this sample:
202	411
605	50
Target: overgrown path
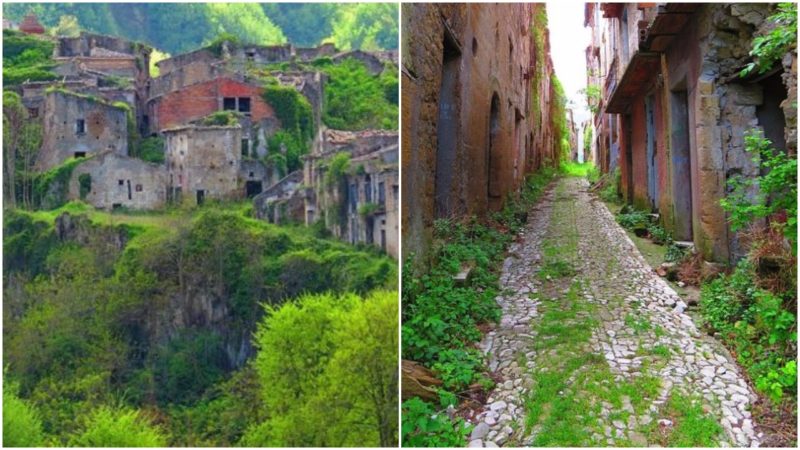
594	349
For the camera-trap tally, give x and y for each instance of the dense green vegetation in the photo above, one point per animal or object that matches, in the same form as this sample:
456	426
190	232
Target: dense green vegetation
180	27
441	317
769	49
26	58
357	100
112	367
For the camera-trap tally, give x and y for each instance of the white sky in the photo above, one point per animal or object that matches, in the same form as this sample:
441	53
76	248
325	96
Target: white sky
568	41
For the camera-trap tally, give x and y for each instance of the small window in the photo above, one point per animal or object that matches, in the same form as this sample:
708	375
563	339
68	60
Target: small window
80	126
138	188
245	147
229	103
251	55
33	113
244	105
120	182
79	154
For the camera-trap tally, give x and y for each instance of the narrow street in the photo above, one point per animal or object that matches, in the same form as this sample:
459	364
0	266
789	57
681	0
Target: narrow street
594	349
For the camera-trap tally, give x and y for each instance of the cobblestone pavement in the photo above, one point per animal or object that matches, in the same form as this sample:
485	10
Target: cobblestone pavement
615	332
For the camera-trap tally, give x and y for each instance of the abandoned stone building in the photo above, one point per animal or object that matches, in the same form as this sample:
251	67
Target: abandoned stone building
205	162
110	180
476	109
76	126
674	109
361	207
83	118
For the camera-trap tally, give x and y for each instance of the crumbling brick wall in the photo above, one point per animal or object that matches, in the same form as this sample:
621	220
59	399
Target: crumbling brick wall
476	110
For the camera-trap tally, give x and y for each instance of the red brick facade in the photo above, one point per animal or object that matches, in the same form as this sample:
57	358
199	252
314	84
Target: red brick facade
199	100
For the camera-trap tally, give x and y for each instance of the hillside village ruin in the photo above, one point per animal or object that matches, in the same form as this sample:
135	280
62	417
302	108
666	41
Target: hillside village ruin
106	97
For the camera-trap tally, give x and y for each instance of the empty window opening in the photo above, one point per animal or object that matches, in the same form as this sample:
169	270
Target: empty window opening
244	105
447	127
201	196
79	154
383	240
120	182
381	194
138	188
245	147
368	189
229	103
129	190
80	126
252	188
33	113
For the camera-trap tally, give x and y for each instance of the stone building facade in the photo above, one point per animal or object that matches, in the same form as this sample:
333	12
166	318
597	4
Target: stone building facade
203	163
476	109
110	180
80	126
674	109
361	207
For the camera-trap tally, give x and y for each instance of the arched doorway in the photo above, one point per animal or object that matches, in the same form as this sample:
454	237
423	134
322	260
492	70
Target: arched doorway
493	157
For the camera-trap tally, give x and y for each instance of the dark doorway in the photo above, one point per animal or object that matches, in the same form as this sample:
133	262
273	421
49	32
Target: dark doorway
770	114
129	190
370	230
201	196
252	188
652	157
492	156
628	149
447	127
681	165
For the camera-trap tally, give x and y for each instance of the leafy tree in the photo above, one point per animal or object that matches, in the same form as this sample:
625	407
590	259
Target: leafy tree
328	369
14	119
122	427
366	26
67	26
304	24
356	100
22	426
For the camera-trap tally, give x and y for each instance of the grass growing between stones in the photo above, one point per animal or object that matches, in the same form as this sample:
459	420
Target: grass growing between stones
690	425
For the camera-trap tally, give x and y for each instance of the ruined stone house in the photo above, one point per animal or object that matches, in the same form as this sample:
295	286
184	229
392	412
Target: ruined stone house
674	109
110	180
361	207
77	126
204	162
476	106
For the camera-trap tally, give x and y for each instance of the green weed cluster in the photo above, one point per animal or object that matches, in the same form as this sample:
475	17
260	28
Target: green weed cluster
758	324
441	316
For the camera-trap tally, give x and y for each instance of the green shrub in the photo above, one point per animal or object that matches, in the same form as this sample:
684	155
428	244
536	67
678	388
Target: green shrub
776	190
357	100
659	235
610	192
293	110
188	365
759	325
633	219
424	426
85	184
458	368
108	427
151	149
770	48
22	426
222	119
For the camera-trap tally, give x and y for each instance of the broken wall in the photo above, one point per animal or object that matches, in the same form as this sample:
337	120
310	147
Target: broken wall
77	126
119	181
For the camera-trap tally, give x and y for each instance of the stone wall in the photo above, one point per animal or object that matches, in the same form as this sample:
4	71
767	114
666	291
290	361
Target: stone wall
203	163
76	125
476	109
119	181
701	109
